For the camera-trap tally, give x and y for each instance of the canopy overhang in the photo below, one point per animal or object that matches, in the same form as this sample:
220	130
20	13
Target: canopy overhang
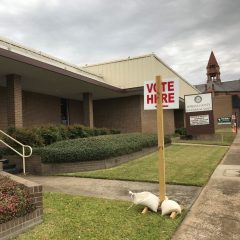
41	77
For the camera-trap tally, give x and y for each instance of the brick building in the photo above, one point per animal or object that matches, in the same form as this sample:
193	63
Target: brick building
226	95
37	89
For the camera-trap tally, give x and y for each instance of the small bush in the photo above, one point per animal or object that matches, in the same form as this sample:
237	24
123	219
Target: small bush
50	134
76	131
167	140
25	136
181	131
101	131
89	131
97	148
115	131
15	200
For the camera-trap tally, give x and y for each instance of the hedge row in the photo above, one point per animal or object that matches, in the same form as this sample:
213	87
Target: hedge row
48	134
97	148
15	200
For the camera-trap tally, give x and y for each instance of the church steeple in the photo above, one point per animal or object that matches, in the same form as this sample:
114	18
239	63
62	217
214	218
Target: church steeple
213	69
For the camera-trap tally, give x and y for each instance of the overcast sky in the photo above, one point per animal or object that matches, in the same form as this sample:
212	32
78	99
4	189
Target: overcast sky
181	32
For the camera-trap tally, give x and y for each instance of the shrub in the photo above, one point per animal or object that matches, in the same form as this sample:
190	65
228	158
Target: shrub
167	140
15	200
25	136
48	134
89	131
115	131
97	148
101	131
76	131
181	131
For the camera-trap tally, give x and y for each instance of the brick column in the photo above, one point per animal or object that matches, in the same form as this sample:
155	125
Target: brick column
14	100
88	109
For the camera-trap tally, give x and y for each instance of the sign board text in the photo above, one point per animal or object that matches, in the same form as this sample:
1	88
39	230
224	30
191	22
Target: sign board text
199	120
224	120
170	95
198	102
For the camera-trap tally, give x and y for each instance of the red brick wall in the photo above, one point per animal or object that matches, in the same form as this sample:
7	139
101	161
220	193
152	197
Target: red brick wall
35	166
3	108
75	111
119	113
39	109
222	107
14	100
126	113
149	120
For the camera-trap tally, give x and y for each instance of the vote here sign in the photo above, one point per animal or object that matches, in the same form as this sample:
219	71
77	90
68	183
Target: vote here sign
170	94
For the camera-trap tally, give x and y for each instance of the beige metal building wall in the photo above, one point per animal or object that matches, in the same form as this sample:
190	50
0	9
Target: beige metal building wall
132	72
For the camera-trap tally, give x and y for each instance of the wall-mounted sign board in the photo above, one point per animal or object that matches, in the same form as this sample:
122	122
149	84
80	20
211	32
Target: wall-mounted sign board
224	121
198	103
199	120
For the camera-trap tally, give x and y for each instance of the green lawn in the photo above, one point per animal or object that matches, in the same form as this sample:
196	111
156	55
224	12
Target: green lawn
190	165
72	217
223	137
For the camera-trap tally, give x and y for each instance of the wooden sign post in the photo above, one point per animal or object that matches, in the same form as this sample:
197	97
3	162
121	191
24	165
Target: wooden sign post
161	95
160	129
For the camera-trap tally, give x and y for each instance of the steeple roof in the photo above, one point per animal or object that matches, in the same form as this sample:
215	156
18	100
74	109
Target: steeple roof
213	69
212	60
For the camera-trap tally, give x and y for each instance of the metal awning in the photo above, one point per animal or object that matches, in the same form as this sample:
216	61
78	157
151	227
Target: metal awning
40	77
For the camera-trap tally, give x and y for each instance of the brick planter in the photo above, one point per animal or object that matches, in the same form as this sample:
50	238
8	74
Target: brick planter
16	226
35	166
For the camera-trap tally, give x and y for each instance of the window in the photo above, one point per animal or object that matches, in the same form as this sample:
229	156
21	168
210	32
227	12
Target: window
64	112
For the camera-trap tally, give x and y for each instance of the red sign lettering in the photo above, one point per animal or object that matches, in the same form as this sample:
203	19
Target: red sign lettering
170	94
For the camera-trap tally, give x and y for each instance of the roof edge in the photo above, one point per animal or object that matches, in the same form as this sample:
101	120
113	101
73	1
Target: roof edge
117	60
142	56
42	54
162	62
44	65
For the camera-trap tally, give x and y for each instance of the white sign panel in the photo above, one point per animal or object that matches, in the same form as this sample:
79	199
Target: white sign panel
198	102
199	120
170	94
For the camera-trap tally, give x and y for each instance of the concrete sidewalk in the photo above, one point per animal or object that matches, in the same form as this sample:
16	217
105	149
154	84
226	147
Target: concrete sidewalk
112	189
216	213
